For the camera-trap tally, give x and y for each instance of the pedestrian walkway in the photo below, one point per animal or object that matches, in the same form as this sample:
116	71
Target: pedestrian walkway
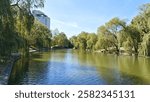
5	70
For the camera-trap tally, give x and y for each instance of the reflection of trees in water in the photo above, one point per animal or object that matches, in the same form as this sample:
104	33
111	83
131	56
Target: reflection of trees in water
58	55
40	56
19	70
37	62
95	59
117	69
135	66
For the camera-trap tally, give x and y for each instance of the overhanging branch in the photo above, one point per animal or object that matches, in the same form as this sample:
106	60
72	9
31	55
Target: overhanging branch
16	4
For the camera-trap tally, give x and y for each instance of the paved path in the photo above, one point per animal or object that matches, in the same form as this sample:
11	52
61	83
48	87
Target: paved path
6	70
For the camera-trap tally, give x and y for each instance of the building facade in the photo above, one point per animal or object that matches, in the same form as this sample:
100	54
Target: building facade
41	17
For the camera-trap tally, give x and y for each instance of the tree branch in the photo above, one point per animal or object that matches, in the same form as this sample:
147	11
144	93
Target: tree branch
16	4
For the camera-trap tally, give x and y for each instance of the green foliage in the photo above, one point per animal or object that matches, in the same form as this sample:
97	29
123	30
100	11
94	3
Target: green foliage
106	42
109	34
60	40
128	45
16	22
74	41
142	21
40	36
145	45
84	41
115	25
91	41
103	30
115	34
130	38
9	39
103	42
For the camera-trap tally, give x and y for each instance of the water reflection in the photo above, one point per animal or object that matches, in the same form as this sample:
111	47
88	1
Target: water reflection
67	67
19	71
118	69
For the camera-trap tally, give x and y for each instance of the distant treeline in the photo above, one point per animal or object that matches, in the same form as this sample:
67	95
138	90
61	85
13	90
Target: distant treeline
116	36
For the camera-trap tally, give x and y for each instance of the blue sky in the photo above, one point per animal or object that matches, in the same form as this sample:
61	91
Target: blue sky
74	16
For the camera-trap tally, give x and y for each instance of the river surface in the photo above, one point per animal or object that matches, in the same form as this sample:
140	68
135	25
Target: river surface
70	67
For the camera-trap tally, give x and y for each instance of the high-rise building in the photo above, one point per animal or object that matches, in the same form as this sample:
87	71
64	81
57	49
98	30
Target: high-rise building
41	17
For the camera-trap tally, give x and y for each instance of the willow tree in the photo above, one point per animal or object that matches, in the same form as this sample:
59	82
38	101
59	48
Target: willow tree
145	45
104	41
74	41
142	23
108	34
40	36
23	11
60	40
16	21
24	19
91	41
8	37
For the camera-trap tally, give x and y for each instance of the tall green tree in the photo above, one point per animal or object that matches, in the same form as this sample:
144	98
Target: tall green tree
91	41
9	39
130	39
142	20
40	36
115	25
145	45
24	20
74	41
142	23
16	21
108	34
60	40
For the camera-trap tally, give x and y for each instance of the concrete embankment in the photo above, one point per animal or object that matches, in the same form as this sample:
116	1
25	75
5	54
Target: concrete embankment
7	71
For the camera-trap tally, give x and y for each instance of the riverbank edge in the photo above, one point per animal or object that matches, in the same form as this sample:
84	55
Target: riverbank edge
119	54
93	51
7	71
122	54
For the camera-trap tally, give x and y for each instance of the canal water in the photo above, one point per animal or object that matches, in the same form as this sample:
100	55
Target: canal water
71	67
